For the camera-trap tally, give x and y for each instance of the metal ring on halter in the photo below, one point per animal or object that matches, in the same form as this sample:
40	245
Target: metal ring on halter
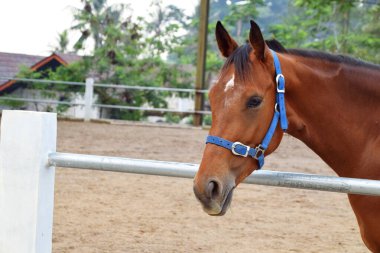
259	152
277	80
276	107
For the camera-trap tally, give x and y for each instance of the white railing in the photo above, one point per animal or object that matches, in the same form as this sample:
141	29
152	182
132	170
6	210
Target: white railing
89	92
28	159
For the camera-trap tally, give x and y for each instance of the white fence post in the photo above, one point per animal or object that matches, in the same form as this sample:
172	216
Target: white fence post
26	181
88	97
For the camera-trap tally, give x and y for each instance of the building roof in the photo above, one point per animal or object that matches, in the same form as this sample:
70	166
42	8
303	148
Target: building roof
69	58
10	64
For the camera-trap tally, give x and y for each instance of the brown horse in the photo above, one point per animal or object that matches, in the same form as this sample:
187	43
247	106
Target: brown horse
332	105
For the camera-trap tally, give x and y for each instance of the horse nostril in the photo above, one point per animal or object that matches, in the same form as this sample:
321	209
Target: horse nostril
213	189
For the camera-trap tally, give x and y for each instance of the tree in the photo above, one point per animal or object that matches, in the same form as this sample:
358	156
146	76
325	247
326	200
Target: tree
368	40
239	15
235	15
163	28
121	48
63	42
334	26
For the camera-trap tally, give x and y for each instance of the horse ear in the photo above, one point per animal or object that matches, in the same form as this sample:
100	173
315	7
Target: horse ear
226	44
257	42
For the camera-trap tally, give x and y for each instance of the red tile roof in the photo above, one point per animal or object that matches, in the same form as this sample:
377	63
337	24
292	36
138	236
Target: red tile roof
10	64
69	58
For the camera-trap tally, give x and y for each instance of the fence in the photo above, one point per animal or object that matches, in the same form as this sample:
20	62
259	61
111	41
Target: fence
89	92
27	166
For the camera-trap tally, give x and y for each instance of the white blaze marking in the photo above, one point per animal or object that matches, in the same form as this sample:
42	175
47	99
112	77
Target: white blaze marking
230	84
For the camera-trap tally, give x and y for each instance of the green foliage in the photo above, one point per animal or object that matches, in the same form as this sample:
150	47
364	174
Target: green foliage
60	109
122	50
172	118
207	120
348	27
63	42
12	104
163	29
239	15
61	92
132	52
235	16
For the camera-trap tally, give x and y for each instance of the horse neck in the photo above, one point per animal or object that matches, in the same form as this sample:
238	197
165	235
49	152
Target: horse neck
334	108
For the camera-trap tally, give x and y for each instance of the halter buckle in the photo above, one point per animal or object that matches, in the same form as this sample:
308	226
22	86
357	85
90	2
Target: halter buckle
259	152
235	144
277	82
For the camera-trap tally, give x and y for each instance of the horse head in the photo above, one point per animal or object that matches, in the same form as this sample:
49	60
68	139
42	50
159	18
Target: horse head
243	102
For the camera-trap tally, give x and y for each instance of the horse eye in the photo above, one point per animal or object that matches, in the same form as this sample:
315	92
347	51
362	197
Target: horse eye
254	102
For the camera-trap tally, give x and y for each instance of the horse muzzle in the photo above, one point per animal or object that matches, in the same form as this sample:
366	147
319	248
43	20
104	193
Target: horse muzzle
214	196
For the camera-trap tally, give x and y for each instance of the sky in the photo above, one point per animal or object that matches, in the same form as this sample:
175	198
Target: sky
32	26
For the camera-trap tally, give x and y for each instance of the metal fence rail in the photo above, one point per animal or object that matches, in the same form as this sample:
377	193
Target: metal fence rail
31	80
188	170
122	107
126	107
40	101
106	85
152	88
89	91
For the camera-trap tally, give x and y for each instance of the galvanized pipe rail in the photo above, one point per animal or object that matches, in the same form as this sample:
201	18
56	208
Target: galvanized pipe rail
89	91
188	170
124	107
41	101
107	85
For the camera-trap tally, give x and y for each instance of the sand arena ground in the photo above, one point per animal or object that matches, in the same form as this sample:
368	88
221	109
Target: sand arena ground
117	212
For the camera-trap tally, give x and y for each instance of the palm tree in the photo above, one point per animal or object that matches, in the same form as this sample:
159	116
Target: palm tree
96	21
63	42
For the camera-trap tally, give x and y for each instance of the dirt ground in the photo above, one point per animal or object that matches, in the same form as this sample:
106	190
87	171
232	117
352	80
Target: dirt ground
117	212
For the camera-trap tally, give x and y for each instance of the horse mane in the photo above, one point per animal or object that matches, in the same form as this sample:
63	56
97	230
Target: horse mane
338	58
240	57
275	45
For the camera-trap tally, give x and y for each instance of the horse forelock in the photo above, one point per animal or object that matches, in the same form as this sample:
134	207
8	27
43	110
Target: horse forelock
241	62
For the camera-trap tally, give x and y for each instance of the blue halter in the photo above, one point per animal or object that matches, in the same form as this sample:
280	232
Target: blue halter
238	148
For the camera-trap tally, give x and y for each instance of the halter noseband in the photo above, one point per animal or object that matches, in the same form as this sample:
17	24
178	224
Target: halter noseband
238	148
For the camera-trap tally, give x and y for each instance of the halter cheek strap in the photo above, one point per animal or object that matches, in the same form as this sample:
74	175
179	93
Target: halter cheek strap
238	148
280	92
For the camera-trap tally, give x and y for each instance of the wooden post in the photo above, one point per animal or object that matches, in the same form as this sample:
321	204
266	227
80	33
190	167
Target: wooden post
26	181
201	59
